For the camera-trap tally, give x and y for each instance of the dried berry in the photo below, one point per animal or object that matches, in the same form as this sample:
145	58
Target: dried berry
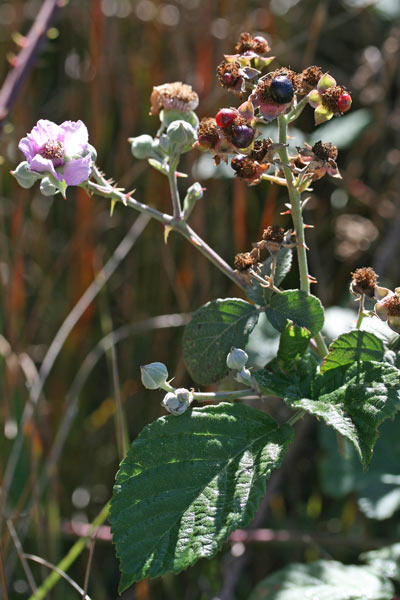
281	89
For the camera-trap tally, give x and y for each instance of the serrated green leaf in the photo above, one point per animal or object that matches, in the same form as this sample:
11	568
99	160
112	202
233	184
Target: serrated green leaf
323	580
297	306
293	343
255	292
352	347
369	394
290	384
187	483
213	330
385	561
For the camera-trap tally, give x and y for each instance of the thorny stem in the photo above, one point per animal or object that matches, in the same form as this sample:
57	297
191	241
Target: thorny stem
297	216
173	186
104	188
72	555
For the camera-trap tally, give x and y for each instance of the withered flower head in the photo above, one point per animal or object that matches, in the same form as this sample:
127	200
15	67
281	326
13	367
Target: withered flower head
388	307
229	75
208	136
320	159
244	261
364	281
247	43
307	80
325	152
264	97
248	169
173	96
273	237
330	98
261	149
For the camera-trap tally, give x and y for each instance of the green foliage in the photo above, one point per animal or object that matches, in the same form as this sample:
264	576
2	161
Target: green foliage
353	347
323	580
213	330
260	295
293	343
297	306
354	401
385	561
188	482
378	490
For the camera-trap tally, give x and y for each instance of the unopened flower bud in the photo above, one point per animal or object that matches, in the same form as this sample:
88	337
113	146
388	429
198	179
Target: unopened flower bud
25	177
177	402
194	193
47	188
154	375
142	146
244	376
182	133
236	359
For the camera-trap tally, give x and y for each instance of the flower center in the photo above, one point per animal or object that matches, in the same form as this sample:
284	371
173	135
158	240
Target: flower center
53	150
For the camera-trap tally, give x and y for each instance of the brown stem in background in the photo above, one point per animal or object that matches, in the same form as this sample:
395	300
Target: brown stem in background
26	57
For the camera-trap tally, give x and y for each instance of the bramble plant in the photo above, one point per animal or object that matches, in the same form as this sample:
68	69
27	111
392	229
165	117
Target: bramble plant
194	476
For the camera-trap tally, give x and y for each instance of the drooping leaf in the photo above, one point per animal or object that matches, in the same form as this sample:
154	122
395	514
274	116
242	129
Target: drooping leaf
323	580
369	394
187	483
384	561
352	347
255	292
378	490
295	305
213	330
354	401
293	343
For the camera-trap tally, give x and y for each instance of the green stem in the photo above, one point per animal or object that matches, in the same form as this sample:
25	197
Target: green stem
297	110
361	313
105	189
71	557
173	186
205	396
299	414
295	203
297	216
274	179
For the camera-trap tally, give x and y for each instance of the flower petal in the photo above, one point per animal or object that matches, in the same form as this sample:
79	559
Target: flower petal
74	135
41	165
77	171
43	132
28	148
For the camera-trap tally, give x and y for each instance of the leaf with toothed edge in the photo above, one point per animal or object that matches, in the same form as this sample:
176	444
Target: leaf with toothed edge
187	483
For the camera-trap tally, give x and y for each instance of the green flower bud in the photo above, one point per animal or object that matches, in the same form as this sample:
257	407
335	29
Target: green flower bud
177	402
236	359
142	146
25	177
169	116
47	188
154	375
182	133
194	193
244	376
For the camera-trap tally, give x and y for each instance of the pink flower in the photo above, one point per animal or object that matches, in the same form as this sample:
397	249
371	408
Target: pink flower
61	151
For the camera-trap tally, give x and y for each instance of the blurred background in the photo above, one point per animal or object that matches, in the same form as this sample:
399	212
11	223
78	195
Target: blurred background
99	63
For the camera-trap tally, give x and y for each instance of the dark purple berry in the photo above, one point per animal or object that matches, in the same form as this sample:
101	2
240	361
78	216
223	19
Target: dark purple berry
281	89
242	136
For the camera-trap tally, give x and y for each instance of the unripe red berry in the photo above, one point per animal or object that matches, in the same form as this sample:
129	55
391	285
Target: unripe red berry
344	102
242	136
228	78
225	117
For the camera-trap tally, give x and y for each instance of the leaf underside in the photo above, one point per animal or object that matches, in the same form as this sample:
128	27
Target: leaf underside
187	483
